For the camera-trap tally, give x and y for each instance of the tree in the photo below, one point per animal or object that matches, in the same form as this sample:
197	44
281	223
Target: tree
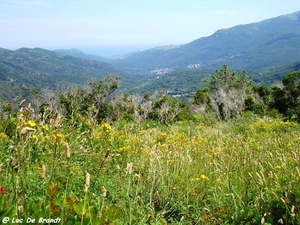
227	92
92	101
287	99
200	101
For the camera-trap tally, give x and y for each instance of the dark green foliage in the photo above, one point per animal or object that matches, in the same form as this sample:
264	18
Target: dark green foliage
263	92
287	99
92	102
26	69
201	97
167	109
181	83
274	75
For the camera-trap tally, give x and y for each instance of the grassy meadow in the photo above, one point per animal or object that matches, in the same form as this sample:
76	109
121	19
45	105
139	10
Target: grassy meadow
241	171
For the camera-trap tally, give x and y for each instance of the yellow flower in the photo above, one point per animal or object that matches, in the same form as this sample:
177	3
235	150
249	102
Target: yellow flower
161	137
3	137
45	127
103	132
58	136
194	179
204	177
201	126
30	123
277	167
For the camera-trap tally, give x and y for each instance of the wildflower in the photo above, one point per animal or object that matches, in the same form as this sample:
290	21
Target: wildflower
35	137
161	137
45	127
26	130
2	191
103	132
58	136
55	208
70	200
106	127
67	151
204	177
277	167
43	172
30	123
3	137
201	126
194	179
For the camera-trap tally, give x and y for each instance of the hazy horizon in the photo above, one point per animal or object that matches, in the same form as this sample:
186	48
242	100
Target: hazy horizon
108	28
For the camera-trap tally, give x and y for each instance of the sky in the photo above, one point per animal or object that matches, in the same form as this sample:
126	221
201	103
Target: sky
113	27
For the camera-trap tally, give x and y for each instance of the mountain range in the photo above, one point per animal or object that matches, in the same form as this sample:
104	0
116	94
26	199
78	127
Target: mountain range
257	47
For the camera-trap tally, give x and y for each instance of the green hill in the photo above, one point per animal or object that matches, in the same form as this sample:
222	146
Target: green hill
26	69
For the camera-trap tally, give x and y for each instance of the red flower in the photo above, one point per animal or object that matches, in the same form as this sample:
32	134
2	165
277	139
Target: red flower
55	208
2	191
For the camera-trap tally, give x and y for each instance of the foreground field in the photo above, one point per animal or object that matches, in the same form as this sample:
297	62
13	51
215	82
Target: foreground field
244	171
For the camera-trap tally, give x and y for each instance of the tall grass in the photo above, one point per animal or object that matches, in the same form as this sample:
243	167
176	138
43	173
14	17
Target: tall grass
244	171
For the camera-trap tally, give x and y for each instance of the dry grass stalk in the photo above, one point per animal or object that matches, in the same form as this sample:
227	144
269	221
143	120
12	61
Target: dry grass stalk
20	209
262	221
67	151
43	172
129	168
56	120
104	192
26	130
293	211
22	103
87	182
14	161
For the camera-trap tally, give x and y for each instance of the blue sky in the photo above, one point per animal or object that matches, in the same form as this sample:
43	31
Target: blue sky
110	27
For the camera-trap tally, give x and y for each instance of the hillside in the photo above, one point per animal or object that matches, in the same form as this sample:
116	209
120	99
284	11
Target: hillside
267	50
26	69
185	82
80	54
178	83
257	46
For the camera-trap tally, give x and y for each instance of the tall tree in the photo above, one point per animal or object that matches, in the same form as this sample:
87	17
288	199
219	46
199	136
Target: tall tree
287	99
227	92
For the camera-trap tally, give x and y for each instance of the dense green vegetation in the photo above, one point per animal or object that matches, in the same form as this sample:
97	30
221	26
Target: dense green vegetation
88	156
25	70
29	70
